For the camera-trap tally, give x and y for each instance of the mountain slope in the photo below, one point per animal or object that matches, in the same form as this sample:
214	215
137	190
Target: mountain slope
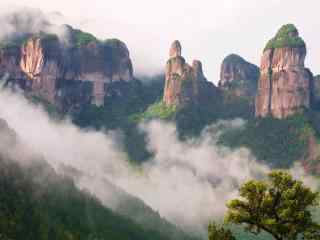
39	203
51	207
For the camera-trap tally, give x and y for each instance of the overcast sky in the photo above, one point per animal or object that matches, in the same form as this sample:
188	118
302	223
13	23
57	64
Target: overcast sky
208	29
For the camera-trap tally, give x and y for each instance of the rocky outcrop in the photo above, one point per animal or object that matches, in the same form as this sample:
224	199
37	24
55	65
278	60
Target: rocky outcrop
238	77
40	61
285	85
316	92
183	83
50	69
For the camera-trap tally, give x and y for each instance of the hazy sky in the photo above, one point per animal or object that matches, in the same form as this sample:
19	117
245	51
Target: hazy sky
208	29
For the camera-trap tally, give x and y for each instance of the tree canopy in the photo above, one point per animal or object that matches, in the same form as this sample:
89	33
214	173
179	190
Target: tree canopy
279	205
216	232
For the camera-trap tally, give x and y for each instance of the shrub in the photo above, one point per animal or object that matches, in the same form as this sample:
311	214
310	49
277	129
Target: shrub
285	37
83	38
157	110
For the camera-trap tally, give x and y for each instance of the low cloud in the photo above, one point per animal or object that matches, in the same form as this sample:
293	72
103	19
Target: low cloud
16	22
186	182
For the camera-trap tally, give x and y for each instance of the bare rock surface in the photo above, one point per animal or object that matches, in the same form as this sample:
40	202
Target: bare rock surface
285	85
46	67
184	83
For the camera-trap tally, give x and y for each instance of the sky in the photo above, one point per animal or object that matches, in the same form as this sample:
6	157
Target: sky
208	30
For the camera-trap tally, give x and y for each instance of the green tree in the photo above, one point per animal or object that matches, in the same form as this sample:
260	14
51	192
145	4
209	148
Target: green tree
279	205
216	232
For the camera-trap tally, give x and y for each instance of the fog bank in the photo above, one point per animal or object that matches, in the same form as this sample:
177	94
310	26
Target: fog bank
186	182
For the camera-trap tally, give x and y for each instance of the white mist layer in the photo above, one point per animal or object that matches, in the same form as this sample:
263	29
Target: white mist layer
187	182
18	21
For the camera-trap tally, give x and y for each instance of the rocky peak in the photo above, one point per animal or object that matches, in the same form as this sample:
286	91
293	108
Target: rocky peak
183	83
316	92
197	70
239	76
175	49
45	66
285	85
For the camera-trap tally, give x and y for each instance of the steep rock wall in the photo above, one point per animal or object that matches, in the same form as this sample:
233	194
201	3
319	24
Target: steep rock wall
285	85
183	83
45	66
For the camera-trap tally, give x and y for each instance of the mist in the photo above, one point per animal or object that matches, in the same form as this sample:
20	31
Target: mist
16	22
208	30
187	182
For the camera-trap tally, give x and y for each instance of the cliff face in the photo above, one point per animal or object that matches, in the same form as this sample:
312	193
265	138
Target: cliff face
316	92
285	85
40	62
183	83
49	69
239	76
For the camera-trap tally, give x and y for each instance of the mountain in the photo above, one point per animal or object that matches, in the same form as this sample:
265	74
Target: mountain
285	85
183	94
184	84
286	127
66	73
92	82
238	78
316	92
37	202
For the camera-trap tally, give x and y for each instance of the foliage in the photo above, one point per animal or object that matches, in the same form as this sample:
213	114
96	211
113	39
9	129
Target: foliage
18	41
135	209
233	59
82	38
121	113
112	42
157	110
47	36
143	102
279	205
192	119
241	234
14	42
38	204
216	232
48	107
277	142
286	38
8	45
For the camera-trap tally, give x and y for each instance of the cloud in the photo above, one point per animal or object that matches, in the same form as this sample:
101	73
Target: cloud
208	30
187	182
17	22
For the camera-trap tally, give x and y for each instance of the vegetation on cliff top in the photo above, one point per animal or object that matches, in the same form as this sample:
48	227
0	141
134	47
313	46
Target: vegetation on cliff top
112	42
78	39
13	43
287	36
233	58
8	45
82	38
18	41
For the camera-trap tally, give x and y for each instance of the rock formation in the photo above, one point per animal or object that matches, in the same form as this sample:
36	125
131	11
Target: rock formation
50	69
40	60
183	83
316	92
285	85
238	76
